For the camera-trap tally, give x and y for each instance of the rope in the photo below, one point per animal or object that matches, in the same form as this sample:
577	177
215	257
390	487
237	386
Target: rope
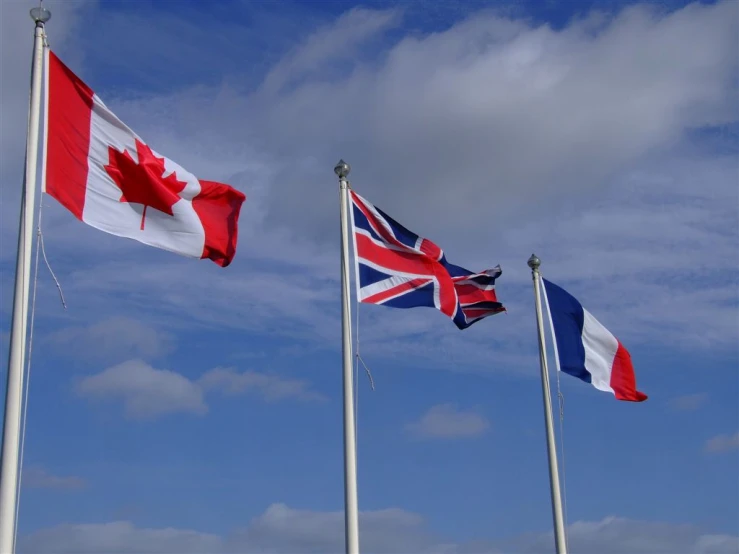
561	401
356	390
358	359
46	260
367	371
358	356
561	398
27	379
27	376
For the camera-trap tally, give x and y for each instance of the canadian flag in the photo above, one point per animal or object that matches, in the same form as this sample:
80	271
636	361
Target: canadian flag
103	173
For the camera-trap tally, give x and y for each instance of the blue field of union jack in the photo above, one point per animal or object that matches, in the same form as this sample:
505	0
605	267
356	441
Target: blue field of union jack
397	268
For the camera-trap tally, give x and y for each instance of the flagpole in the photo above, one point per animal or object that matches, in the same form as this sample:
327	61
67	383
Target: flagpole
559	527
17	355
351	514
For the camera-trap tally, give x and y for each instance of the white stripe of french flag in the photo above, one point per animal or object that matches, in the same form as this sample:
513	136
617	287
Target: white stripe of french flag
586	349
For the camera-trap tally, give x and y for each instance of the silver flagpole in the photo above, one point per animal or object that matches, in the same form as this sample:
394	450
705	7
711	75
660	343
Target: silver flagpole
17	356
351	513
559	526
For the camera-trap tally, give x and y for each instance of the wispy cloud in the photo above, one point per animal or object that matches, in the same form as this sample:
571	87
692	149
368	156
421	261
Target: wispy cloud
615	535
39	478
688	402
446	421
494	137
722	443
114	337
284	529
120	536
491	117
617	209
340	40
270	386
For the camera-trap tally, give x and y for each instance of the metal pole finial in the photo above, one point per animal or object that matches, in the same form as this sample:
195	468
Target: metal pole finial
534	262
40	15
342	169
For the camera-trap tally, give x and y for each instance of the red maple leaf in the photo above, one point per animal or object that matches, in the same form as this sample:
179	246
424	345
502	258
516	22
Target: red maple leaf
142	182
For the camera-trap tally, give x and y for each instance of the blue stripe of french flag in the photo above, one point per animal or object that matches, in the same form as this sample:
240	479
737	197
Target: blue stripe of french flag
586	349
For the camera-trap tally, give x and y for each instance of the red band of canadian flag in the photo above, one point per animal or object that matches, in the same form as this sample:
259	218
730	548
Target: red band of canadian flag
103	173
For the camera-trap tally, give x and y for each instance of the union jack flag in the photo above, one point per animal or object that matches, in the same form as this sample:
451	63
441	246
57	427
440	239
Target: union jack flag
395	267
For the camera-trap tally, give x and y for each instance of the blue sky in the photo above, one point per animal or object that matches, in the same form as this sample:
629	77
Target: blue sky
176	406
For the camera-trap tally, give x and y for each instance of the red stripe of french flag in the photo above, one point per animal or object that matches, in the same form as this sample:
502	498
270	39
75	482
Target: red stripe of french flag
623	378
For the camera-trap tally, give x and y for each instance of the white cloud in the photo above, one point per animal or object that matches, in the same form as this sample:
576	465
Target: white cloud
118	537
575	143
494	138
116	337
446	421
146	392
284	529
281	529
722	443
340	40
495	109
615	535
258	299
270	386
39	478
474	106
689	402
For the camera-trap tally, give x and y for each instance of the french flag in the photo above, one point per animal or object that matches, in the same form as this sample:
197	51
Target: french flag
586	349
